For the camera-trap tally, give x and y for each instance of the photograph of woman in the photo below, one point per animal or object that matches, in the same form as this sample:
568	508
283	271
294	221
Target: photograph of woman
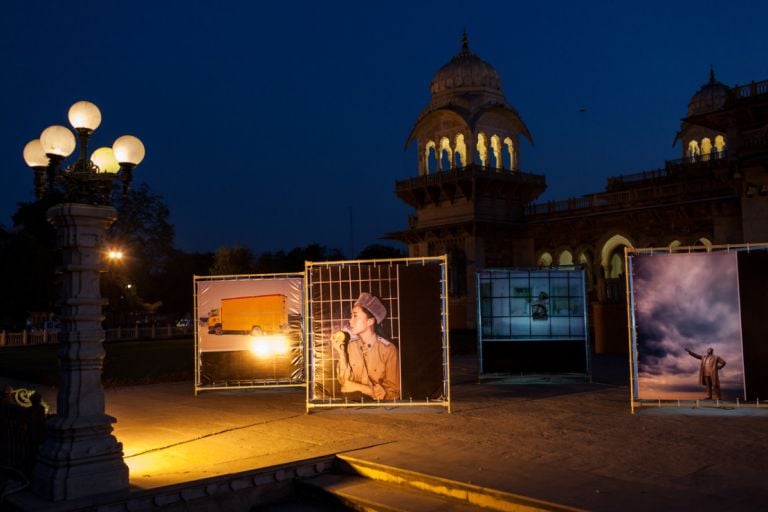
367	363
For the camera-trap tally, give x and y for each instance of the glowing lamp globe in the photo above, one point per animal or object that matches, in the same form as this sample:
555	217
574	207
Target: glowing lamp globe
84	115
128	150
34	154
104	159
58	140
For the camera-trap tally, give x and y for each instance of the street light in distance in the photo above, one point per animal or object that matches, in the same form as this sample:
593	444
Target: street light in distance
115	255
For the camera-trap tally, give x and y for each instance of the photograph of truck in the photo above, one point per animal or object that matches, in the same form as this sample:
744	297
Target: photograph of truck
248	331
255	315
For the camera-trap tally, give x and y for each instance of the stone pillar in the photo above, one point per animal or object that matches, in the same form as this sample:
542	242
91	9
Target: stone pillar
80	456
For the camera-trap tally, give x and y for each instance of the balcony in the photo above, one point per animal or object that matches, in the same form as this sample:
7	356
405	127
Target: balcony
655	194
464	181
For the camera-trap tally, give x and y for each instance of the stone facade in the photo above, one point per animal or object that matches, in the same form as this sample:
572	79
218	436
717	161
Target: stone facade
473	203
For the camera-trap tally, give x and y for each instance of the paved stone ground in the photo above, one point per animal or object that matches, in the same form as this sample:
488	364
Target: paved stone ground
560	439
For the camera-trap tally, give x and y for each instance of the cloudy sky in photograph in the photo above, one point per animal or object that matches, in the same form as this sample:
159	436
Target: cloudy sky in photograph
686	301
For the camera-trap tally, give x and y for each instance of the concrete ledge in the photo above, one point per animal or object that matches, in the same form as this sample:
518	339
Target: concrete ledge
470	494
226	493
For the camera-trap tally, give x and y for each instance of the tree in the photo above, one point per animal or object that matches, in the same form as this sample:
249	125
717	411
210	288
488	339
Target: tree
381	252
142	226
27	277
28	258
232	260
145	235
313	252
178	279
293	260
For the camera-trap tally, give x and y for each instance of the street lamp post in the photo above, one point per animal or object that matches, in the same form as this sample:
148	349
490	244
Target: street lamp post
80	456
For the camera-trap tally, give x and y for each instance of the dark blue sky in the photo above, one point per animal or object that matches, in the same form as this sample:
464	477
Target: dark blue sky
266	125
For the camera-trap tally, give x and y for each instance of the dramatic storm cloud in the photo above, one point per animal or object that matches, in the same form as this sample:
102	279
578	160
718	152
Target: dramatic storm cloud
686	301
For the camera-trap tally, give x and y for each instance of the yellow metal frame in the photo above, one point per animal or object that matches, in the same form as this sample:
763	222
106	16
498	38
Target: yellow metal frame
441	260
243	277
670	250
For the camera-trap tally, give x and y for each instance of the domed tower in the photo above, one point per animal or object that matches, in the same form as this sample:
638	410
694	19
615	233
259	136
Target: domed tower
468	120
701	143
737	116
469	196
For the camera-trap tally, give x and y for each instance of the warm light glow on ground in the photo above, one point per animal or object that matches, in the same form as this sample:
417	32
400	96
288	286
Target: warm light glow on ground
165	466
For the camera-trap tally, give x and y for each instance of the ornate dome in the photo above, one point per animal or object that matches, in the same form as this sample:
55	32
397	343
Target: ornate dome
711	96
466	70
467	92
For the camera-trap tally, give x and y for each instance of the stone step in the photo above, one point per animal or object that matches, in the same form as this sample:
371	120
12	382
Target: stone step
353	492
372	486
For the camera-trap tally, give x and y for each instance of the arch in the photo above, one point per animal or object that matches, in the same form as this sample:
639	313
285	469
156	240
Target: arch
482	149
501	116
565	258
509	154
496	162
675	243
446	154
460	153
616	268
584	258
704	242
430	157
545	260
719	145
693	151
706	148
612	247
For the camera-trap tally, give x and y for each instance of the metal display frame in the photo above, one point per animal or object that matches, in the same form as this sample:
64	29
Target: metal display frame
252	383
312	315
635	401
490	273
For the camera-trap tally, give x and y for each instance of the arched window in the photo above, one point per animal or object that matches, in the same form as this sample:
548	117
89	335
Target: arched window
586	262
613	247
675	243
719	146
460	154
482	149
612	263
616	269
446	154
566	258
509	154
430	157
693	151
545	260
706	148
496	152
705	242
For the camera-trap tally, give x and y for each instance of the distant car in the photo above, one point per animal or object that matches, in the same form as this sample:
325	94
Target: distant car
184	323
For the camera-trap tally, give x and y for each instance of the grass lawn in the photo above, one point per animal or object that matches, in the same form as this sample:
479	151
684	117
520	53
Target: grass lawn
126	362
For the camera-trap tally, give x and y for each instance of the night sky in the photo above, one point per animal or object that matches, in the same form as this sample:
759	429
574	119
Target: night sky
277	125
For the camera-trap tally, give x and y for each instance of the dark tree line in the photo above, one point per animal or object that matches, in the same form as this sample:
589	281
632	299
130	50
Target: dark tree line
153	282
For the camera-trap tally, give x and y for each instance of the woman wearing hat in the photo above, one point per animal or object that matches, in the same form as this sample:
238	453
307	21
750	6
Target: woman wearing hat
368	364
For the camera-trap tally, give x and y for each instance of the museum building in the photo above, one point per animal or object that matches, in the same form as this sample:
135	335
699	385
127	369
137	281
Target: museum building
472	202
